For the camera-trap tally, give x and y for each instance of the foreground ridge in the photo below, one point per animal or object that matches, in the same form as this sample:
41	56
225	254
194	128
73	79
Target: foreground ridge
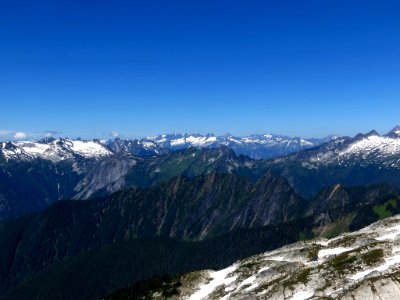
359	265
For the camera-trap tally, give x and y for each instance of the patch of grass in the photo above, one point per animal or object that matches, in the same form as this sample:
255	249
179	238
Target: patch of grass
382	210
342	262
302	236
372	257
392	202
169	290
301	277
337	230
313	253
347	241
250	265
334	229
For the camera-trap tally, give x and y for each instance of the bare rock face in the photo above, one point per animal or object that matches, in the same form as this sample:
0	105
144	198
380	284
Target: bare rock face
359	265
105	177
384	289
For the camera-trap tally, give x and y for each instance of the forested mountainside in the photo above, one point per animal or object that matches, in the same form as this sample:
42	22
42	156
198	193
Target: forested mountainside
29	185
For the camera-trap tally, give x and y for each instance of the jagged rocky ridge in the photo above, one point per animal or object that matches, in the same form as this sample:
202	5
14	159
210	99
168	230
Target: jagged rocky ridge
365	159
45	181
255	146
361	265
63	169
363	149
56	150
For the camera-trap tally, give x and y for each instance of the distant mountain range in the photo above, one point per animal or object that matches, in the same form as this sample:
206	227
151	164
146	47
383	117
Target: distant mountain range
255	146
50	170
261	146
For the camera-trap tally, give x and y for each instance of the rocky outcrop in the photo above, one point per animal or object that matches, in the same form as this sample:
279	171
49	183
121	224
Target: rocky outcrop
360	265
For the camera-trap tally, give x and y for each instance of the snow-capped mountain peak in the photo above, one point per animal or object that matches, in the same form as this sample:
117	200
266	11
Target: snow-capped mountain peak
362	150
179	141
370	144
394	133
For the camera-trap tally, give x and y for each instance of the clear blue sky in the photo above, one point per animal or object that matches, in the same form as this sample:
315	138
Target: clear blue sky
305	68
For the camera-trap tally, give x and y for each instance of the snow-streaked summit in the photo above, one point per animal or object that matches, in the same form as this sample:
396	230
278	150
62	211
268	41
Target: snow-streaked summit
54	150
373	144
362	150
180	141
395	132
143	147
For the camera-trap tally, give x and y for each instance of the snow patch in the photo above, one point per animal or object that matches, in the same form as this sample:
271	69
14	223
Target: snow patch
89	148
332	251
334	291
218	278
390	261
302	295
394	232
247	281
263	269
276	258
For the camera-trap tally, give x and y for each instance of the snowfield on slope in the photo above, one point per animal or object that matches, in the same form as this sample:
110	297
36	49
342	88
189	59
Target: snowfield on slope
371	149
